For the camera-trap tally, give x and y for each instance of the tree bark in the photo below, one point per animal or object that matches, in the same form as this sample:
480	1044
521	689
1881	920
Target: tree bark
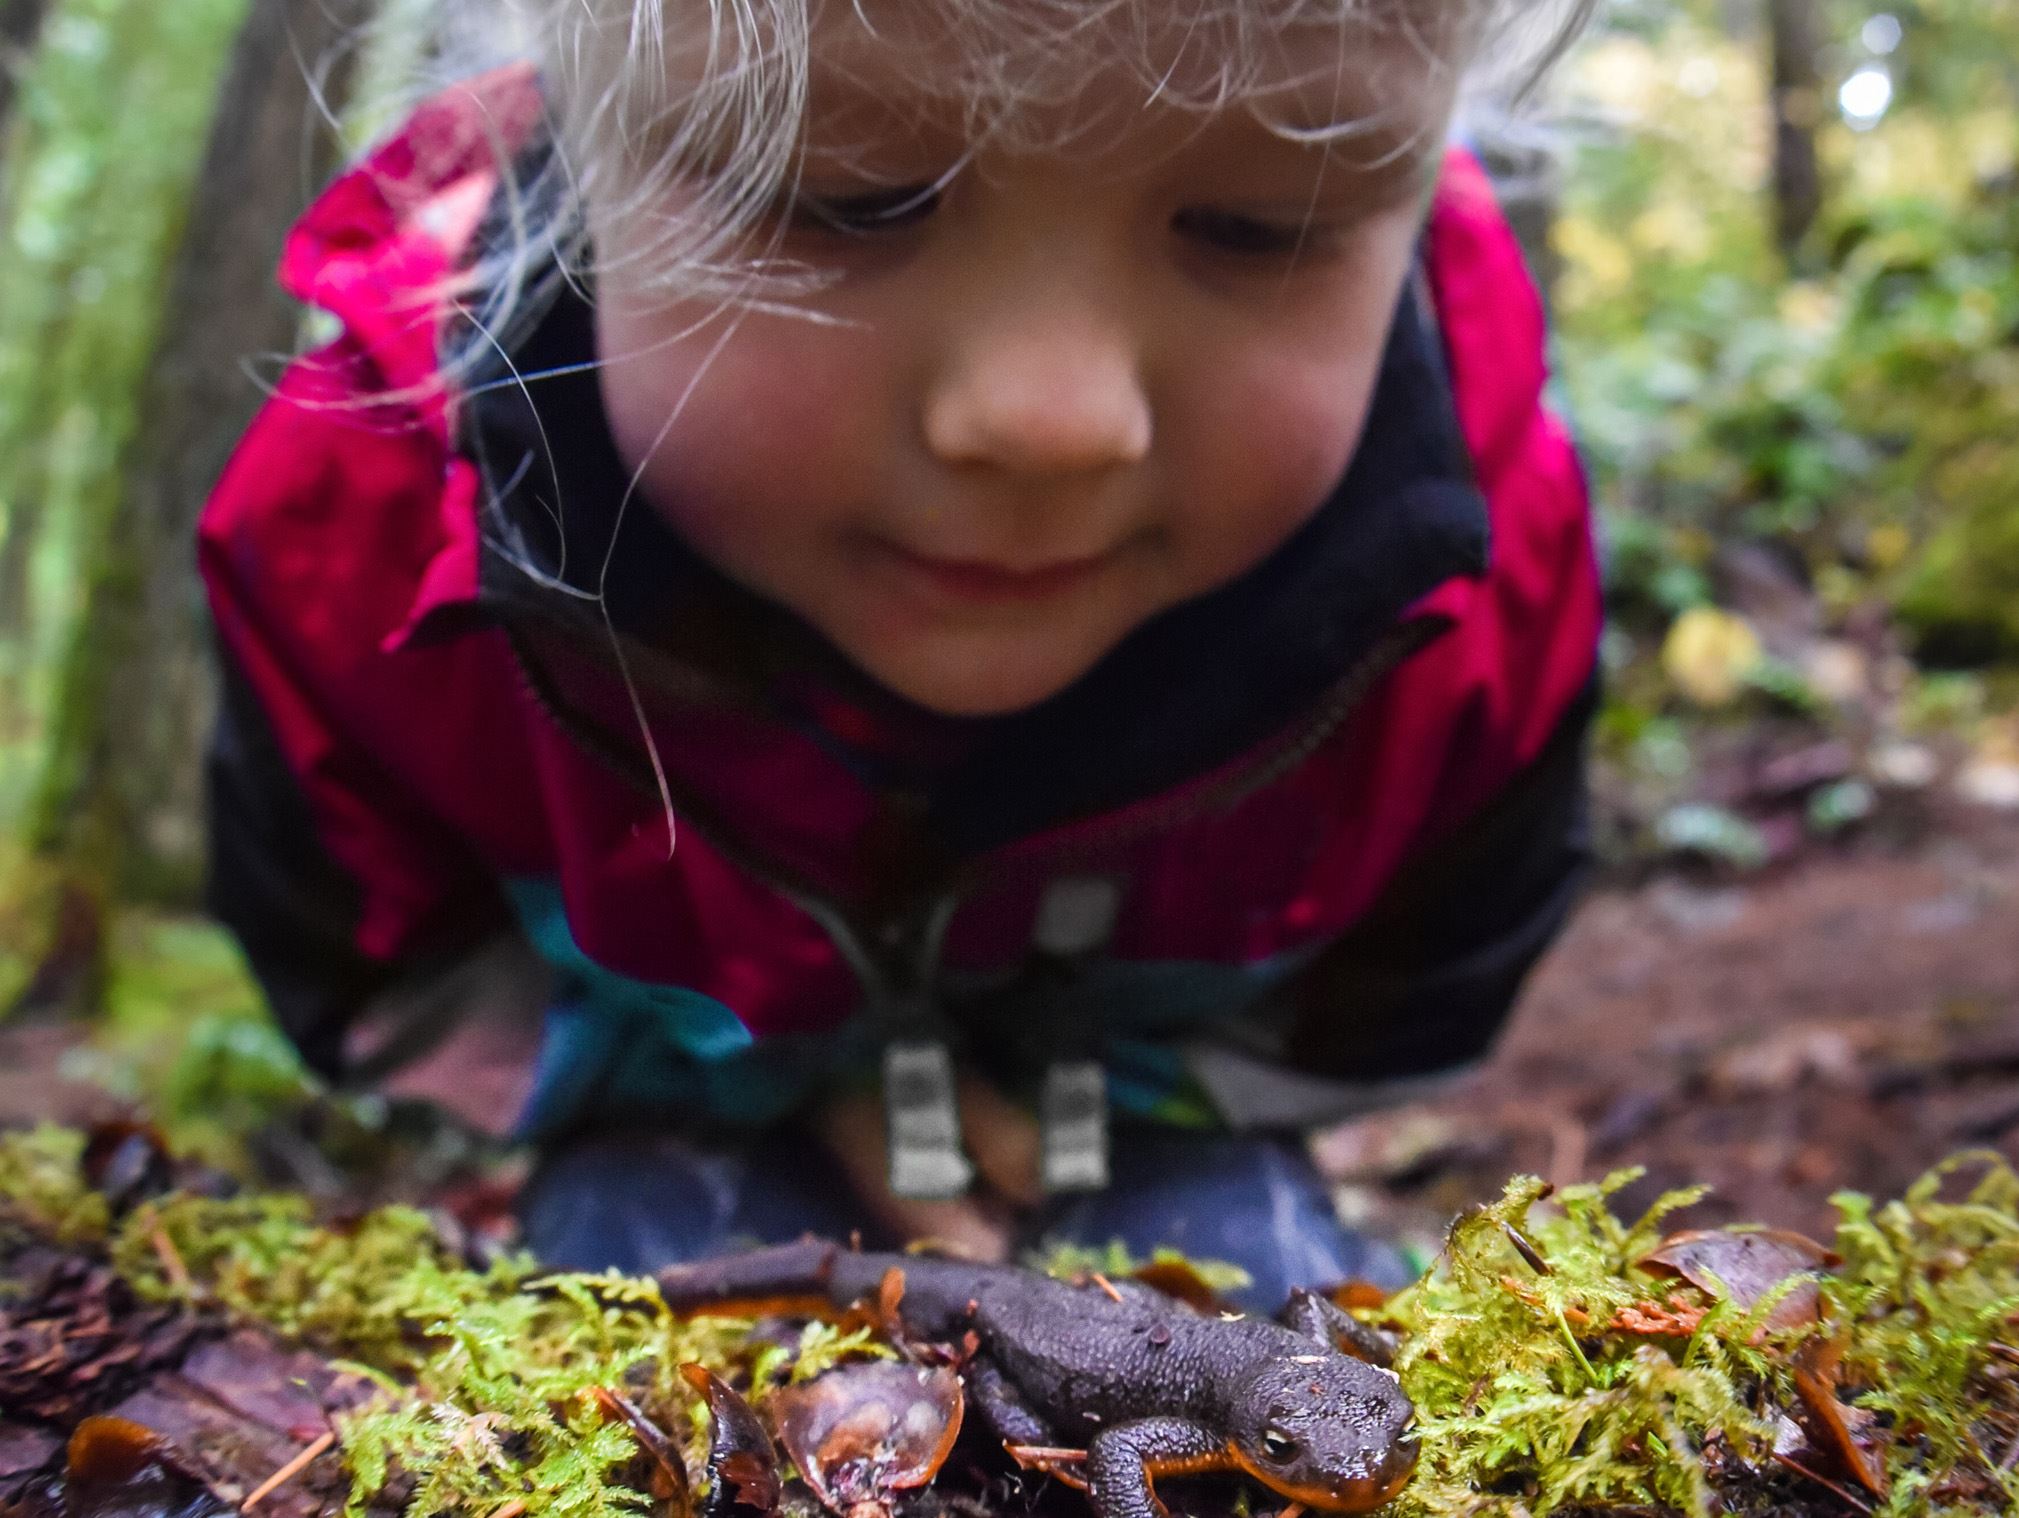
1795	34
120	803
20	29
20	25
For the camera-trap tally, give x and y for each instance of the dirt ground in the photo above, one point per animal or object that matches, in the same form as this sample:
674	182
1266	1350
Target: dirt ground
1845	1022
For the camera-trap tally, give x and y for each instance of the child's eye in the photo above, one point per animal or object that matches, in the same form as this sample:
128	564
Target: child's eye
1230	232
882	210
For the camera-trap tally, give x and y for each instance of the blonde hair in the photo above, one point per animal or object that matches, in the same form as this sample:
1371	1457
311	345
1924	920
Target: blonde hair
642	92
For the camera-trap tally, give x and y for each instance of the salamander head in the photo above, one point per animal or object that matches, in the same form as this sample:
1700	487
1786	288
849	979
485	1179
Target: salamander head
1325	1430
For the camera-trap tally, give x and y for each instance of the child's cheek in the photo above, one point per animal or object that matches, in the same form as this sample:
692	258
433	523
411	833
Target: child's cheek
1280	436
772	441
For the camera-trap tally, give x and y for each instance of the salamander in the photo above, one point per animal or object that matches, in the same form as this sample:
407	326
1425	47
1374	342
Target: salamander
1145	1385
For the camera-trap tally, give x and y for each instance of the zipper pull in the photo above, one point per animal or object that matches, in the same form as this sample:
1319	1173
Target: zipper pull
922	1122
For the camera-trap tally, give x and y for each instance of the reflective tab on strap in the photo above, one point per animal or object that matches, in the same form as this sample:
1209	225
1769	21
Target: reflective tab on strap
1073	1112
922	1122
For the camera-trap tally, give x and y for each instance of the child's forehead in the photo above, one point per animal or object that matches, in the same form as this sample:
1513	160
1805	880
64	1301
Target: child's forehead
1050	71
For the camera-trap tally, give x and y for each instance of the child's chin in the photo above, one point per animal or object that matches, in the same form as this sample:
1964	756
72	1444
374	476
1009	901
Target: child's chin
980	683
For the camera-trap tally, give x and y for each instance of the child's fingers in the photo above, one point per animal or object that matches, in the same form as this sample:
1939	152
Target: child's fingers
1002	1138
851	1125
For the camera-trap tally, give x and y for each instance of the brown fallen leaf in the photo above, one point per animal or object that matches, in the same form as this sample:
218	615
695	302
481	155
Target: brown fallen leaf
669	1486
1848	1435
119	1469
742	1464
1179	1280
864	1431
1352	1294
1746	1265
128	1161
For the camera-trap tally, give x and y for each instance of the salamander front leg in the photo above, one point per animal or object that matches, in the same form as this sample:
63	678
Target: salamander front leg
1003	1405
1123	1461
1319	1317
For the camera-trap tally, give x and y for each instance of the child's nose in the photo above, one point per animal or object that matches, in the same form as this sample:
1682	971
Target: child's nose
1054	393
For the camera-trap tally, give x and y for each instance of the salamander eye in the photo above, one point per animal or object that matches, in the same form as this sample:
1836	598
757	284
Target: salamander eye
1278	1445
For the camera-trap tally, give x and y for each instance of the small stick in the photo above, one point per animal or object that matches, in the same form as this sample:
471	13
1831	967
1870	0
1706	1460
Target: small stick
172	1264
1526	1250
1106	1285
514	1509
288	1472
1796	1466
1294	1510
1049	1461
1034	1453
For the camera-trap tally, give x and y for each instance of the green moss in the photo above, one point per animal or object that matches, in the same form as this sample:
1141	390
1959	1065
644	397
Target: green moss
1520	1391
1931	1289
1114	1261
42	1189
1961	599
1532	1396
1533	1391
493	1368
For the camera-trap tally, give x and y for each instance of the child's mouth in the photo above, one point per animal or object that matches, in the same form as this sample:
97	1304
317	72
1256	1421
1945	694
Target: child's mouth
987	582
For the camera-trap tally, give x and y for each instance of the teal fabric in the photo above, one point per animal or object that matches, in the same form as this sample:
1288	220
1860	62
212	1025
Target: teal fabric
621	1049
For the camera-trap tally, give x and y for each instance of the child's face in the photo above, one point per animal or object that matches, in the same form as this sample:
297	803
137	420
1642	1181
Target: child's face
1066	392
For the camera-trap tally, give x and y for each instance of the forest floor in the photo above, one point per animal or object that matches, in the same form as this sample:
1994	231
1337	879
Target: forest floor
1845	1020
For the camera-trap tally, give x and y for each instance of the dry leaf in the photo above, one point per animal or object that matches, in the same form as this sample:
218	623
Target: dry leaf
1746	1264
861	1432
742	1464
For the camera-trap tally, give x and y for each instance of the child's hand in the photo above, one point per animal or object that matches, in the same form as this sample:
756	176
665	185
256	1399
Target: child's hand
1002	1140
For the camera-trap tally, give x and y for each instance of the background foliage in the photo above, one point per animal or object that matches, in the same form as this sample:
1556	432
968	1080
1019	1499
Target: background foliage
1839	415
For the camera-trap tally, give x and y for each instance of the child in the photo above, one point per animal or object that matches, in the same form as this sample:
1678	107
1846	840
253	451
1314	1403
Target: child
953	567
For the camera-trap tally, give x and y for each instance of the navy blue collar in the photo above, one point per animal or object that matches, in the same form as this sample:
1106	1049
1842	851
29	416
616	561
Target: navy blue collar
1188	692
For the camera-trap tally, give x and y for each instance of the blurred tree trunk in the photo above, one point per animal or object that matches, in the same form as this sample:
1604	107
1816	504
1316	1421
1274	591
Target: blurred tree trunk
20	24
118	811
1795	29
20	27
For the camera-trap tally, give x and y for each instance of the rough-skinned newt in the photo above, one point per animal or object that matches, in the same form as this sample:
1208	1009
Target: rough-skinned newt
1145	1385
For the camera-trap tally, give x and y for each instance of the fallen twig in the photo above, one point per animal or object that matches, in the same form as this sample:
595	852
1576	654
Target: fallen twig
1802	1470
310	1453
172	1264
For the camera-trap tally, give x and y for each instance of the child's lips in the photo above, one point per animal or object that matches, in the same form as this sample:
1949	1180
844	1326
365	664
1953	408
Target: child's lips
988	582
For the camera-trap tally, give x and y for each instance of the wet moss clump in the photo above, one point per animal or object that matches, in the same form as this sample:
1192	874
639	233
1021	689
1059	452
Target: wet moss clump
1553	1368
